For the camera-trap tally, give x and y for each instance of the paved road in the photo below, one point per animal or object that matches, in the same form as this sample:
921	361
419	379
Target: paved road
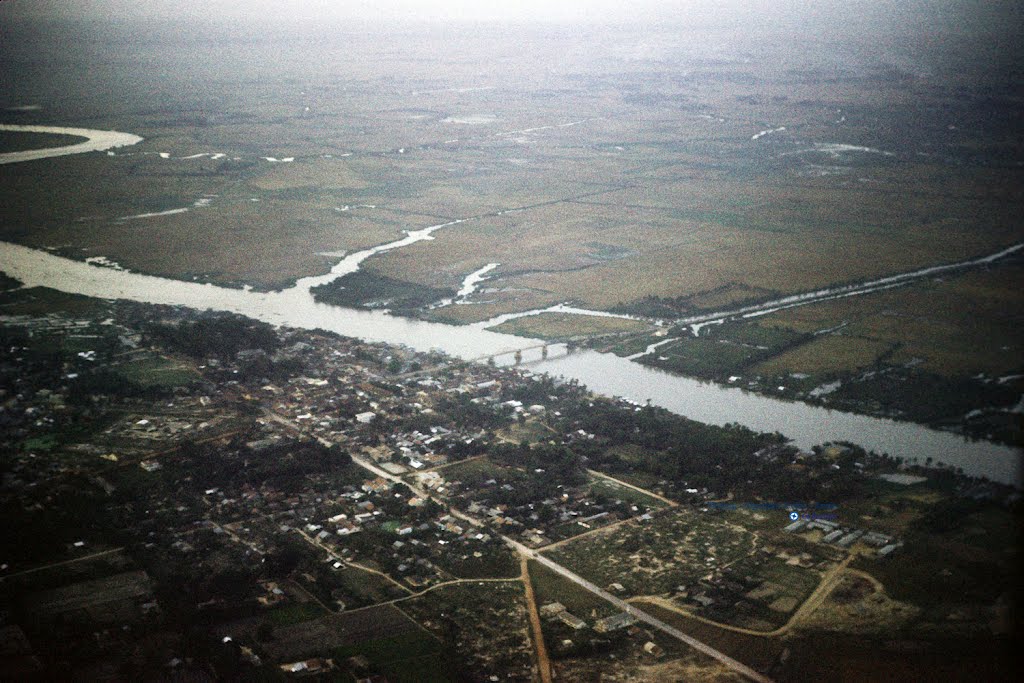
640	615
524	551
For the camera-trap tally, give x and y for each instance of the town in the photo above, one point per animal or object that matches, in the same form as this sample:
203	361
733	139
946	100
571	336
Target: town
202	493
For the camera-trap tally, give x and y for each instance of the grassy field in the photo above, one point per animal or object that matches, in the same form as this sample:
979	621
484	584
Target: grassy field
635	455
550	587
155	371
702	357
475	472
531	431
363	588
294	614
616	491
409	658
301	638
319	174
650	558
631	345
622	200
494	302
723	350
559	326
828	353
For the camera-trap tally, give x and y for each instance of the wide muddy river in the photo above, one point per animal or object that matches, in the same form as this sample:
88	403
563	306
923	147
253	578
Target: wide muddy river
604	373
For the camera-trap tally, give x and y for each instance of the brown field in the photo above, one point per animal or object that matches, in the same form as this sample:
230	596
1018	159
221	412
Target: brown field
960	325
322	174
625	182
754	651
104	600
825	354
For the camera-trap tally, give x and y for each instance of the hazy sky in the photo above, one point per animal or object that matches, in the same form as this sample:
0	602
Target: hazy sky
558	10
394	9
856	16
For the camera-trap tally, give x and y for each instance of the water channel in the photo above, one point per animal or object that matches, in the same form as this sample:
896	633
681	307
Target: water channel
604	373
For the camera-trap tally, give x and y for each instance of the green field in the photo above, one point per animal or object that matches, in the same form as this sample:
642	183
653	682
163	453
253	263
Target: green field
154	371
294	614
409	658
561	326
605	487
474	473
723	350
549	587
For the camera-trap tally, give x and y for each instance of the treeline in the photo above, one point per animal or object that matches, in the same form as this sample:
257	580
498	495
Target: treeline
685	454
540	389
284	466
471	415
560	465
216	335
657	429
652	306
920	395
102	381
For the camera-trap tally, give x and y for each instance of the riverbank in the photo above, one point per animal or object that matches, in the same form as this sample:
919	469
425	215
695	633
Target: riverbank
610	375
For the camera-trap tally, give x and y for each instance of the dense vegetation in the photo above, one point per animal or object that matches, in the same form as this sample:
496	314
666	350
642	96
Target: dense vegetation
367	290
670	307
923	396
724	350
215	336
286	465
684	454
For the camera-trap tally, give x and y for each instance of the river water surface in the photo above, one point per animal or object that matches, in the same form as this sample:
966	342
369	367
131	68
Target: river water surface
604	373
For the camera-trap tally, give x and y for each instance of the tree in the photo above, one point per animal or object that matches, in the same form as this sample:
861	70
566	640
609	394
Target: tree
265	632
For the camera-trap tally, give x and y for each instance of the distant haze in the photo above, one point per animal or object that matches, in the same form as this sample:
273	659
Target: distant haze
961	15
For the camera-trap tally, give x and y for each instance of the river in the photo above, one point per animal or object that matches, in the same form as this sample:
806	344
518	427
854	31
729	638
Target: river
95	141
604	373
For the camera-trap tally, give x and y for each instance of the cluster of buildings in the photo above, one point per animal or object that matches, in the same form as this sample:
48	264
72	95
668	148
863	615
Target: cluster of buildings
832	533
539	523
557	611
